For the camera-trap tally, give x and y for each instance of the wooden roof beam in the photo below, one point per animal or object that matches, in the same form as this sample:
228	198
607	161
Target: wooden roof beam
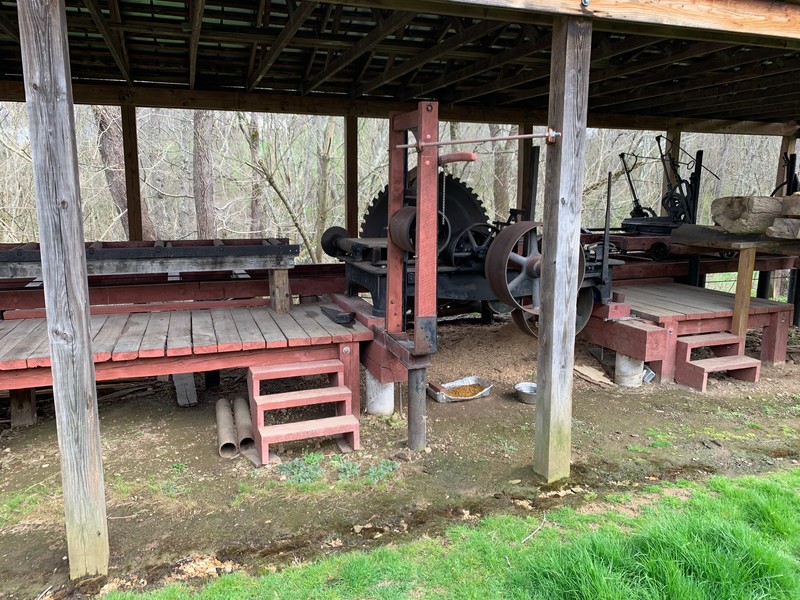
102	27
647	98
645	85
296	20
627	45
116	95
198	7
481	66
366	44
758	22
738	94
263	10
467	36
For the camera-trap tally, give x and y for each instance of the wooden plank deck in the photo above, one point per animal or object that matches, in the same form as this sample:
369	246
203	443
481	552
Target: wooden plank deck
666	302
194	336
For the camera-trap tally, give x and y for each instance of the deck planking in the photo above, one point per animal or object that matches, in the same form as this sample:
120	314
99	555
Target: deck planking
678	302
126	337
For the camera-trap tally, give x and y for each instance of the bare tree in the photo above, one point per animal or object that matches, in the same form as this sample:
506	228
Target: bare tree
112	153
204	175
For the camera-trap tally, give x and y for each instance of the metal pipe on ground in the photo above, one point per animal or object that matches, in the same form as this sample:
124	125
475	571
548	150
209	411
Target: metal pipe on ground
244	424
226	430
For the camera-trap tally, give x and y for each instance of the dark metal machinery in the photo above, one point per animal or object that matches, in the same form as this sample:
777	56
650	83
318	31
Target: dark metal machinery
495	264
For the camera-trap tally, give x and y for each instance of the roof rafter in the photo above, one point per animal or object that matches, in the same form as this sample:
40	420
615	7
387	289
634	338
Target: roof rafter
468	35
198	8
9	27
482	66
386	28
100	23
296	20
260	13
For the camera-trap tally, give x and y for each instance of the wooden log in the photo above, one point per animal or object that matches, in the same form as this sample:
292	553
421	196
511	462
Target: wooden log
569	84
791	205
787	229
746	214
279	292
48	92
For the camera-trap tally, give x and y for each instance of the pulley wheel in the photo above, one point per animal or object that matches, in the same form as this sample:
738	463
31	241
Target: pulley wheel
527	321
513	260
330	240
471	245
403	229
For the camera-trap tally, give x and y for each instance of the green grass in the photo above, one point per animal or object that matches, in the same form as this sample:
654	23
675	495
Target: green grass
15	506
733	539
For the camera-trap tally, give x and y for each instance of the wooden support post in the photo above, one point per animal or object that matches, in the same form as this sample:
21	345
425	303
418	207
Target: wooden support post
48	92
523	165
23	407
569	83
744	288
351	174
788	146
280	294
130	143
671	150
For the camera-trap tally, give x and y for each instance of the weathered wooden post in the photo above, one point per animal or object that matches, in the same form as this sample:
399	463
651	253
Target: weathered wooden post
351	174
569	85
48	92
130	143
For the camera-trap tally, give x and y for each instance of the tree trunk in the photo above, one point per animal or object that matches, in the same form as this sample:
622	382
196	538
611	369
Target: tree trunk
501	152
746	214
111	151
258	200
324	200
204	176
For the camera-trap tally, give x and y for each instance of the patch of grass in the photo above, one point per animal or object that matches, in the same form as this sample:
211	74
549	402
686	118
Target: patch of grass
753	425
298	471
380	471
243	490
733	539
313	458
637	449
767	410
730	415
121	487
787	430
16	505
178	467
660	444
619	497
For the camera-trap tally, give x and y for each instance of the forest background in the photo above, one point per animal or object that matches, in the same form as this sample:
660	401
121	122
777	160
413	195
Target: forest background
208	174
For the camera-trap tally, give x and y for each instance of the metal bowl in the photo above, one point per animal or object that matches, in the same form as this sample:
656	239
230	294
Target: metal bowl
526	392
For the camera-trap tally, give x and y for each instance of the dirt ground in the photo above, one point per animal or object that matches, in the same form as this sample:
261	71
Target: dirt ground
177	511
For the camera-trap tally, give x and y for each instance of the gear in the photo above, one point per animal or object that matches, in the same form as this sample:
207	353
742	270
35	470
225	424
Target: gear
463	208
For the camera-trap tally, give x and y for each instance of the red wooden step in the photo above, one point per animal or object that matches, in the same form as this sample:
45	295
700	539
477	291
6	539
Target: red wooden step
281	371
722	344
301	430
695	373
303	398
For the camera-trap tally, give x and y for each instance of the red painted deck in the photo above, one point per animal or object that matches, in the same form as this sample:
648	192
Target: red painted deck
668	311
138	344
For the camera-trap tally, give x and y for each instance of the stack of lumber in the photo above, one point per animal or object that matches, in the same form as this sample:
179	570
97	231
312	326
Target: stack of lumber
777	217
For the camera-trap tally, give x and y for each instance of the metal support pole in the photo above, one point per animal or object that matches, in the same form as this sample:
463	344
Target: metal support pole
417	419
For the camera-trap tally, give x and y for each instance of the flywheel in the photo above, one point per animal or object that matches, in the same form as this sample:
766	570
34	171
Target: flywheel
462	207
513	270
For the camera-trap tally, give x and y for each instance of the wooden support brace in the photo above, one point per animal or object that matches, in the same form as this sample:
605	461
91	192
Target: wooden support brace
279	291
23	407
744	287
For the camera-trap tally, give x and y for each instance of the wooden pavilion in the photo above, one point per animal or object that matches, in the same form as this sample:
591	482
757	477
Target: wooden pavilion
722	66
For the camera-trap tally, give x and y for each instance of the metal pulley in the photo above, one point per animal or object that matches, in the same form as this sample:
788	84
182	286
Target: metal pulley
403	229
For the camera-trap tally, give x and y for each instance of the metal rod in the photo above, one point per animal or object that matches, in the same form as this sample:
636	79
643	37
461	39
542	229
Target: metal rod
417	420
550	135
606	234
